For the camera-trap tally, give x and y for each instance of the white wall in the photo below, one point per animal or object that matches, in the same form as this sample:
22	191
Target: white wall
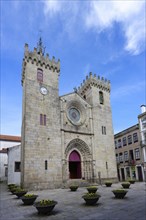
13	156
6	144
3	166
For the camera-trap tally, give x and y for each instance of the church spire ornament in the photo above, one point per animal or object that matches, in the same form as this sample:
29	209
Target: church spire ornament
40	47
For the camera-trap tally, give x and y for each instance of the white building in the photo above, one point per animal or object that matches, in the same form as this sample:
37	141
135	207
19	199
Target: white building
14	165
6	141
3	164
142	127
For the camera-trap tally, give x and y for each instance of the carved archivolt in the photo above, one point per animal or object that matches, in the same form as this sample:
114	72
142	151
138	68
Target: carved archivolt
81	147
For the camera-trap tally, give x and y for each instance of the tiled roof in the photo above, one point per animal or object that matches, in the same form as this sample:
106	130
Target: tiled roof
10	138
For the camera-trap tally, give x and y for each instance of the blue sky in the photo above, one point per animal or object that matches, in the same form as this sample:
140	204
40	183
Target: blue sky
104	37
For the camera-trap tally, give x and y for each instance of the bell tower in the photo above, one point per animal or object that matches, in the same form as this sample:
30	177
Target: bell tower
41	138
96	91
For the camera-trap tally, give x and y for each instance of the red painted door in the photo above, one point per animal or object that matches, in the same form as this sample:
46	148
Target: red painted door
75	165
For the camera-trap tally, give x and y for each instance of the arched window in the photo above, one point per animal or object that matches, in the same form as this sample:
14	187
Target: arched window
40	75
101	98
84	96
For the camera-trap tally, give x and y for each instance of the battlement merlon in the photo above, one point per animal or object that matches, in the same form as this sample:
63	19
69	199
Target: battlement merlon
94	81
40	60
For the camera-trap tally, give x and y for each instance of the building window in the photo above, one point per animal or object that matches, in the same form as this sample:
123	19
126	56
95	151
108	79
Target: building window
143	125
131	155
119	143
40	75
101	99
126	156
115	144
46	164
84	96
103	130
117	158
6	171
129	139
127	172
135	137
42	119
143	122
121	158
17	166
137	154
124	141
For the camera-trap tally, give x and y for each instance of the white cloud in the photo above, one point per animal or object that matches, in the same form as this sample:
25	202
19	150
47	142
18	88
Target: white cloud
131	14
52	6
101	15
135	35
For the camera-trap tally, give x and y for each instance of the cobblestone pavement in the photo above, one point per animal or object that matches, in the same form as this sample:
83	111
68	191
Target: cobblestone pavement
71	205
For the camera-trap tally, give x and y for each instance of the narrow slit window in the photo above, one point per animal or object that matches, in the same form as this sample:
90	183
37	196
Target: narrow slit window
101	98
46	164
42	119
40	75
104	130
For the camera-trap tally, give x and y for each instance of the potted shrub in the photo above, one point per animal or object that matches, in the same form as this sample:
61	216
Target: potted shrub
73	187
91	198
11	186
120	193
19	192
125	185
108	183
28	199
92	189
45	206
131	181
13	189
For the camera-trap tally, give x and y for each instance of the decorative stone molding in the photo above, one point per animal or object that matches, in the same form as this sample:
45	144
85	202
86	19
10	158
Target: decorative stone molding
80	108
81	146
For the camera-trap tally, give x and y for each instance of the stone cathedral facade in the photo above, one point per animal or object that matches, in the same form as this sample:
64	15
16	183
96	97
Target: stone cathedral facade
64	138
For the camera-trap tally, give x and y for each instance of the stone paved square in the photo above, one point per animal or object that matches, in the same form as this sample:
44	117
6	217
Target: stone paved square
71	206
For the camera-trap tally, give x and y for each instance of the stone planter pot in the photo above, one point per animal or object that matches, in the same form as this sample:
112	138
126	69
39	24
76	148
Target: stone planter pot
108	184
120	193
13	190
91	198
11	186
131	181
92	189
20	194
73	188
28	200
125	185
44	209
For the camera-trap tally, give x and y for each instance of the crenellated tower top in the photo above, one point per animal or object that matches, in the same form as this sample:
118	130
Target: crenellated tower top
93	81
38	57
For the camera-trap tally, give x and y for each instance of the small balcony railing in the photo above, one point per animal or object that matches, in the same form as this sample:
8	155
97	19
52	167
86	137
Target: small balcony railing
131	162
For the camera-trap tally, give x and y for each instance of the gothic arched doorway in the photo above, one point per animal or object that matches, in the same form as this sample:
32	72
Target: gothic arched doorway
75	165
